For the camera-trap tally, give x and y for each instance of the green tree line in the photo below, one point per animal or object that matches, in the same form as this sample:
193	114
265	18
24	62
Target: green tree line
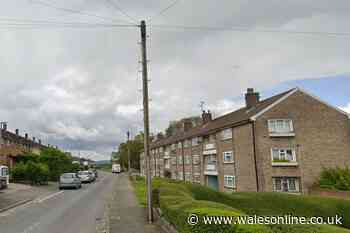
43	167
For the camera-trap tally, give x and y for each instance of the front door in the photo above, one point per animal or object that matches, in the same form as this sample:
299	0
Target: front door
213	182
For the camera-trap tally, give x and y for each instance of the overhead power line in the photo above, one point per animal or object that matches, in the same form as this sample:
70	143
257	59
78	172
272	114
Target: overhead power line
119	9
47	4
165	9
242	29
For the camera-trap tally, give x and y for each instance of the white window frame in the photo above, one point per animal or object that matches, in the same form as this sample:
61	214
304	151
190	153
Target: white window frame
196	159
195	141
226	134
286	180
280	154
166	163
187	159
227	153
226	184
274	130
179	159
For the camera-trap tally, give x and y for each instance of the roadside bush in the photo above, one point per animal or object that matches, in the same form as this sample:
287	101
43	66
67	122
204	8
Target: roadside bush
277	203
18	172
336	178
35	173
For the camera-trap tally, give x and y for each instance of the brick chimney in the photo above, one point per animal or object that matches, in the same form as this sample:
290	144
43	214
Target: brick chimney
206	117
4	126
26	136
187	125
251	98
17	131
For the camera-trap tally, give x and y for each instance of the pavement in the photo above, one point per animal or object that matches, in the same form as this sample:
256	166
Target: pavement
66	211
17	194
126	215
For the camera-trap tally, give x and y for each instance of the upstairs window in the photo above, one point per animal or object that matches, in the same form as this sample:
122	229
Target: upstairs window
283	155
196	159
228	157
226	134
195	141
187	159
187	143
280	126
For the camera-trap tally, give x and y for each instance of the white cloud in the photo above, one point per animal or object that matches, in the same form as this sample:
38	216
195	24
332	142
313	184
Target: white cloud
79	88
346	108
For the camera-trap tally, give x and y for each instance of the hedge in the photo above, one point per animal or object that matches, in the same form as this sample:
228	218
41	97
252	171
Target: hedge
277	204
178	200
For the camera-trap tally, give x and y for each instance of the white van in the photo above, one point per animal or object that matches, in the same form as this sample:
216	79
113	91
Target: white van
116	168
4	177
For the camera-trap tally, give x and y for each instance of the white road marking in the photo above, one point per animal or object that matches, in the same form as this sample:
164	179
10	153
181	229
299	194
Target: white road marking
48	197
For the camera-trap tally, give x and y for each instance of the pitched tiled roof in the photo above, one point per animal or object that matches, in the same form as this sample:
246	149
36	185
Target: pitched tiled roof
238	117
19	139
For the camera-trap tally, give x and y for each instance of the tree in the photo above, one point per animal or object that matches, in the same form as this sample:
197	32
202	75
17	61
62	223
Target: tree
136	146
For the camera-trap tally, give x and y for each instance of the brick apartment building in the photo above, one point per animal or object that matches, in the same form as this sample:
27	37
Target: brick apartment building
277	144
13	145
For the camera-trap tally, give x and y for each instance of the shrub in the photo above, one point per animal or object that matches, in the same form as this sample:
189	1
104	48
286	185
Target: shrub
18	172
338	178
278	203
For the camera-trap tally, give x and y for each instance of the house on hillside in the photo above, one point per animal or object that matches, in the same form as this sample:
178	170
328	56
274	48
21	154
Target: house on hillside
13	145
277	144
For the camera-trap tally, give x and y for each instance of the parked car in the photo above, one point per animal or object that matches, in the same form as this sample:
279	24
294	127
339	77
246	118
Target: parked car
4	177
85	177
69	180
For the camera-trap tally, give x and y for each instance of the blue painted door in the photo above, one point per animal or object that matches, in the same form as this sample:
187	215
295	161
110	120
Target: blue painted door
213	182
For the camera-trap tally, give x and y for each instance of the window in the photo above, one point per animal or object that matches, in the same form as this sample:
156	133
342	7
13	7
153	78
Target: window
280	126
212	159
173	160
194	141
226	134
229	181
173	146
283	155
180	176
187	143
179	145
161	149
285	184
167	163
197	178
179	159
187	159
196	159
228	156
188	176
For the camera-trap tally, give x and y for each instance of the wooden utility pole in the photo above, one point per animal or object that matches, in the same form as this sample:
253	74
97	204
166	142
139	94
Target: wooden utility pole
128	147
146	118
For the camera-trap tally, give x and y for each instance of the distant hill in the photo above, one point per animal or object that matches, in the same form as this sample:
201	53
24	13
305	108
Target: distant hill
102	162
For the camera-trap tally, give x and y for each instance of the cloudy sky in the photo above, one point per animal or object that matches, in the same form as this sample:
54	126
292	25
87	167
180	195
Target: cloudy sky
79	88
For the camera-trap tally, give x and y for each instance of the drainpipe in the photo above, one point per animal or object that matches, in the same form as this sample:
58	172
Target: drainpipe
183	161
254	152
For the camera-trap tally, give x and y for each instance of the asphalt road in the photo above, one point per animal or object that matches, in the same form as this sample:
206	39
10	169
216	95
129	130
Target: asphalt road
67	211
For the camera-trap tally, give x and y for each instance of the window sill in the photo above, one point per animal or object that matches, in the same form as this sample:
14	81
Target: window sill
292	134
225	139
284	164
229	187
230	162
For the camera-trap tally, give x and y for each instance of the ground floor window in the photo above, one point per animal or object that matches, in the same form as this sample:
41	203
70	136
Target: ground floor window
229	181
286	184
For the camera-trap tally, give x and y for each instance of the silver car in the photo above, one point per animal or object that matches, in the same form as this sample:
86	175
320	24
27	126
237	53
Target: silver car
69	180
85	177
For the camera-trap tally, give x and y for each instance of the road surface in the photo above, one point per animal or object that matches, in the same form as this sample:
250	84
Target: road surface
67	211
